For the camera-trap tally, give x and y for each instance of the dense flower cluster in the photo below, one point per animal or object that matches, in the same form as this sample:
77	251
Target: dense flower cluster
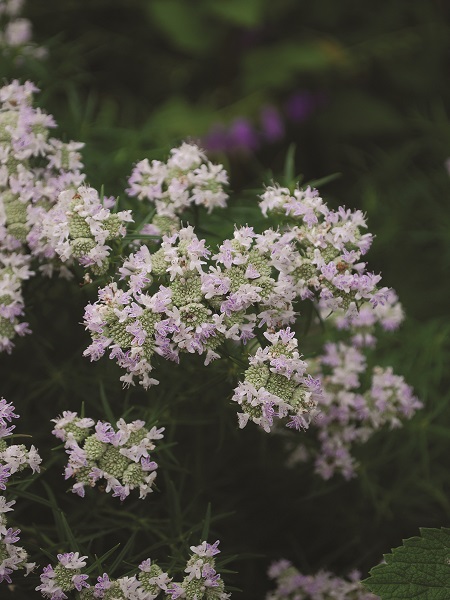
362	325
186	179
118	456
64	577
194	309
275	385
14	269
202	582
34	167
349	411
150	582
15	33
348	414
253	280
79	225
293	585
13	458
320	251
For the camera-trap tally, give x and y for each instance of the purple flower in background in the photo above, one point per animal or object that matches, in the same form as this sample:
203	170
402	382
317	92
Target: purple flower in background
242	135
300	105
217	139
272	124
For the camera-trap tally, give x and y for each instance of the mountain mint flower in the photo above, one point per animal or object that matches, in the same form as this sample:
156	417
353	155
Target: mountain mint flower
16	33
64	577
194	309
13	458
14	269
79	225
120	456
12	557
34	169
293	585
321	250
349	413
275	385
202	580
187	178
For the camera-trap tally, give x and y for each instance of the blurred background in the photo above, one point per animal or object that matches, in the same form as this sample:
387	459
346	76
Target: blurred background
361	91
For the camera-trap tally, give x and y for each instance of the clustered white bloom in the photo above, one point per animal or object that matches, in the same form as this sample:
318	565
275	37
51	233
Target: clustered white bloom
202	581
65	577
79	225
13	458
293	585
275	385
252	281
320	250
14	269
186	179
150	582
194	309
34	169
362	325
349	412
15	33
120	457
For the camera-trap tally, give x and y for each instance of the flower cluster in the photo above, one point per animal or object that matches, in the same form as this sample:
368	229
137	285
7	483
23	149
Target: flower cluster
275	385
193	310
150	582
119	456
34	167
186	179
293	585
79	225
15	34
16	457
14	269
202	582
362	325
64	577
350	415
320	250
12	459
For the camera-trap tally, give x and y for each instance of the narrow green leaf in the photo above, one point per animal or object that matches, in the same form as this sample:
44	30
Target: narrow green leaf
105	404
33	497
99	560
122	554
316	183
206	523
289	164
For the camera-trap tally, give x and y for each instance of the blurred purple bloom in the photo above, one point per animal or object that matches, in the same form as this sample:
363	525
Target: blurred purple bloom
300	105
272	124
242	135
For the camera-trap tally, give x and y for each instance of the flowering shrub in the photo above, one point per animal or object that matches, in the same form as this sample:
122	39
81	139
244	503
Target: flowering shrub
161	290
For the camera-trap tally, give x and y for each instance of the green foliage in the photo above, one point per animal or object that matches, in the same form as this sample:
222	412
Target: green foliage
419	568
